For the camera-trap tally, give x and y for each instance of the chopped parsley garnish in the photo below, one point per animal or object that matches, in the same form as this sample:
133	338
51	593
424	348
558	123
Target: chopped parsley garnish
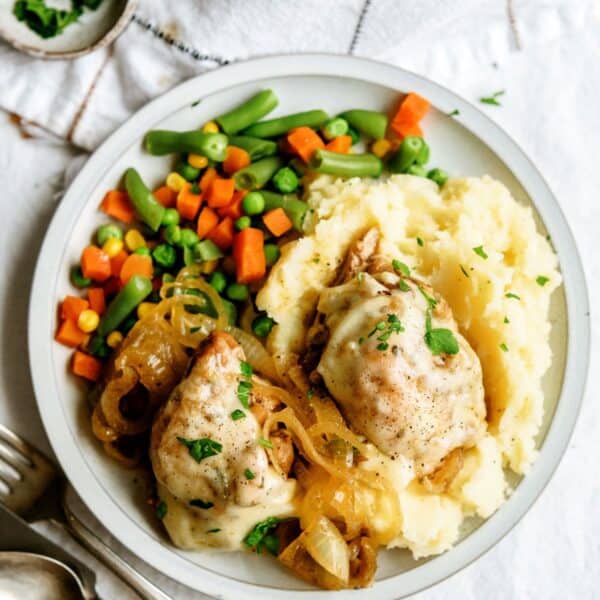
265	443
419	241
511	295
385	330
432	302
361	339
542	280
310	392
202	448
464	271
249	474
439	340
316	260
401	267
379	327
246	369
161	510
480	252
503	347
454	113
201	503
215	530
506	319
243	393
383	346
261	536
238	414
493	99
360	277
404	287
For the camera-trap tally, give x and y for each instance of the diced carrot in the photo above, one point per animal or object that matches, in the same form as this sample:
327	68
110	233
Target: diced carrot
403	129
249	255
277	221
72	307
188	203
236	159
222	234
220	192
136	264
207	178
95	264
86	366
166	196
304	141
112	286
116	204
96	299
341	144
412	109
234	208
207	220
69	334
116	262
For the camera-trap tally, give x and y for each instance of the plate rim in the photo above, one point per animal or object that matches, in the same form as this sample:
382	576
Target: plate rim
480	125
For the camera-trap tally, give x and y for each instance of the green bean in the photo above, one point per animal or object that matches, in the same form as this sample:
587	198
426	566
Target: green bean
147	207
369	122
295	209
272	200
334	128
128	323
255	147
257	174
281	125
285	180
438	175
248	113
230	311
134	292
207	250
271	254
98	347
423	156
107	232
346	165
299	166
77	278
211	145
417	170
354	135
406	154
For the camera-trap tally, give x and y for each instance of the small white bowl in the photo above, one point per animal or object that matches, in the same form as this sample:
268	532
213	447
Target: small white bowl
93	30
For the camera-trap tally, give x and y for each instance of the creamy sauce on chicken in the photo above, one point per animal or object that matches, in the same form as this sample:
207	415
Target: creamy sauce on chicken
401	396
200	408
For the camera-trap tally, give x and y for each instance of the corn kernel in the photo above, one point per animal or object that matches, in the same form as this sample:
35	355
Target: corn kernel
197	161
114	339
134	240
380	147
145	309
88	320
175	181
210	127
209	266
112	247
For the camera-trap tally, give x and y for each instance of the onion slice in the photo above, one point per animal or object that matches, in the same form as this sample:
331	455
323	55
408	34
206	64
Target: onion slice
325	544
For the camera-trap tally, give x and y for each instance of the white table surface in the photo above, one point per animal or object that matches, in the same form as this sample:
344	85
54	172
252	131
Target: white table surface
554	553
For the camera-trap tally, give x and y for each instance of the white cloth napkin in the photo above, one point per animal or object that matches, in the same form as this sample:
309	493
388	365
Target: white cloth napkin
532	49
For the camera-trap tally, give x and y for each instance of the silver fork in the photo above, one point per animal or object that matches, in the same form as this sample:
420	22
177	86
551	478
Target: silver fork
26	474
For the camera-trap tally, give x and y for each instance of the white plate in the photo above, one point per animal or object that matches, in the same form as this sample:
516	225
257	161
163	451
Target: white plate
470	144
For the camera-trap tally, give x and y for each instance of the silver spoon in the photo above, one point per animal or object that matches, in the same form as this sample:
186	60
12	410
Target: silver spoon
37	577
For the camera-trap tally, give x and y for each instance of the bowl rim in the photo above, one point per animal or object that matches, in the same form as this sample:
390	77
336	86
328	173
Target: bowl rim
108	38
329	65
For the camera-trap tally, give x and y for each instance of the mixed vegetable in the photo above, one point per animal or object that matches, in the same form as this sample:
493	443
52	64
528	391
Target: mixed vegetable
233	197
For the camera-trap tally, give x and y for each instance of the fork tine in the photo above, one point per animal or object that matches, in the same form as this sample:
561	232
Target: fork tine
5	487
8	471
22	448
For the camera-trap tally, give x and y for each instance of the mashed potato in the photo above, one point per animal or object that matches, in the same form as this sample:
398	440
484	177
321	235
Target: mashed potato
499	295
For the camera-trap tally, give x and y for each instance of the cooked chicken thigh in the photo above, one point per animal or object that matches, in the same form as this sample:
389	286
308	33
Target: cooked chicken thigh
383	373
205	455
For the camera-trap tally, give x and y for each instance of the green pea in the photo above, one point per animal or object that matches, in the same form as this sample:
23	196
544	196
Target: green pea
237	292
262	325
187	171
164	255
170	217
77	278
218	281
143	251
243	222
271	253
253	203
107	232
438	175
188	237
285	180
172	234
418	170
